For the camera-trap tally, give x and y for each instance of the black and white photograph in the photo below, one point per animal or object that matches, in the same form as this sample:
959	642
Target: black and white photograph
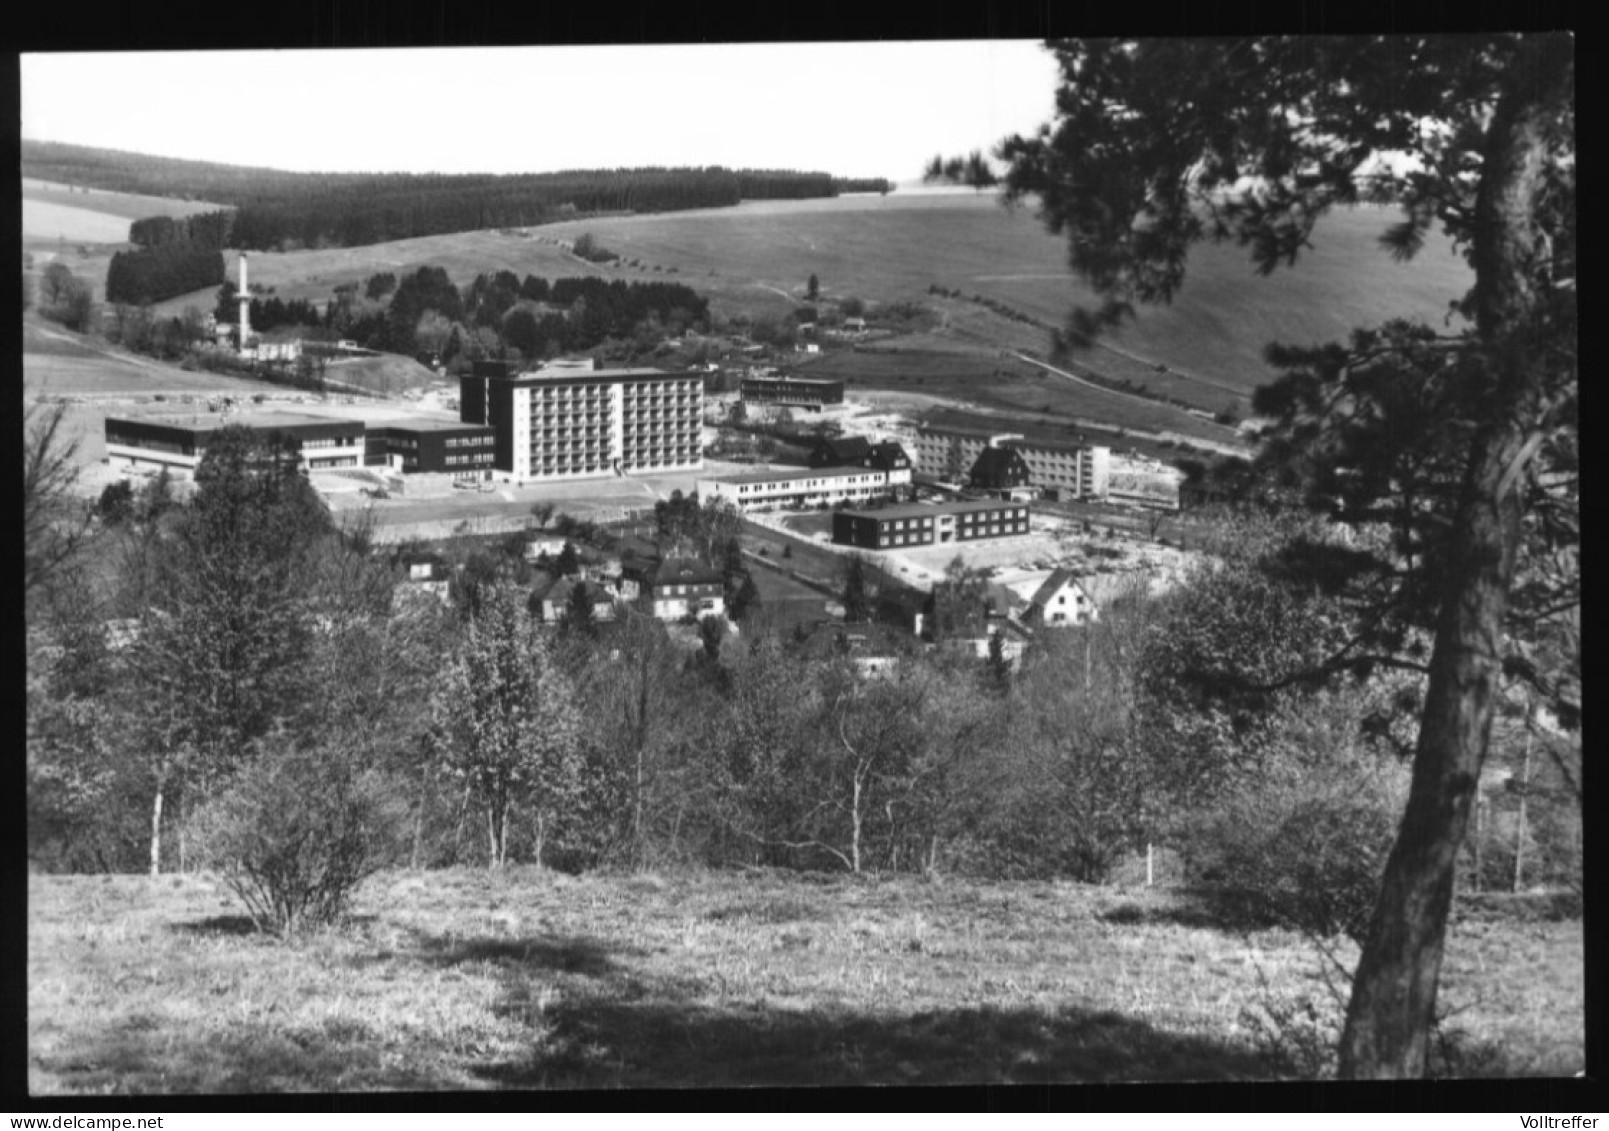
790	565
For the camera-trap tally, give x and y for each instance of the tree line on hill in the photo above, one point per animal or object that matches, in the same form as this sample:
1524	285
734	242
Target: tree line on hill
494	313
163	271
283	211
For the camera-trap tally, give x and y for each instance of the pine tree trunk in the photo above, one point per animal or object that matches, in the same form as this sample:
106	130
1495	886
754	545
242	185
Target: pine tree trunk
1394	990
854	817
156	833
1519	831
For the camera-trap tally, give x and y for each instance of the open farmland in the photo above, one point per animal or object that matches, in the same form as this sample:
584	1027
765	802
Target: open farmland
755	259
61	212
892	248
1009	385
463	980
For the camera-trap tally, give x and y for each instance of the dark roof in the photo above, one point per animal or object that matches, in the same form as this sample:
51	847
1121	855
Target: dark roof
686	571
999	467
889	454
843	450
929	510
559	592
1058	578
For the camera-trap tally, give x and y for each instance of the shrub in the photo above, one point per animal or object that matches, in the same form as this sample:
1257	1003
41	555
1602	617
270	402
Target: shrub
296	831
1298	847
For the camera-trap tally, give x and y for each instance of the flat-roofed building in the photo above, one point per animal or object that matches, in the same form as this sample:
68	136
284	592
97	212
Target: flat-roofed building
179	442
800	486
465	451
920	524
792	392
565	423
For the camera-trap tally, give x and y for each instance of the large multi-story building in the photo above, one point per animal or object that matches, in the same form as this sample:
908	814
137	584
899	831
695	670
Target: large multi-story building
801	486
949	452
1072	470
179	443
920	524
574	423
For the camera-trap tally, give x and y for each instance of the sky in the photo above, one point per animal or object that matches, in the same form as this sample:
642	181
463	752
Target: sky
850	109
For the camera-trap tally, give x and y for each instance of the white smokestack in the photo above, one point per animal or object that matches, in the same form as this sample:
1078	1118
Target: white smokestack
244	295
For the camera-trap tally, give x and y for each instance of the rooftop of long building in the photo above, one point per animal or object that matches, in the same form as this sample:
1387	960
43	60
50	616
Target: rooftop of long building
788	473
930	510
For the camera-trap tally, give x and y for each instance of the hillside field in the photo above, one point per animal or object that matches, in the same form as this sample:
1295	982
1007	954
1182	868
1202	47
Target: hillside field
892	248
462	979
51	211
756	258
1008	385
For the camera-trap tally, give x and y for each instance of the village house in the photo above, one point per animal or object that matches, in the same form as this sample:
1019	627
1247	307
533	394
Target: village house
1061	600
685	587
999	469
556	599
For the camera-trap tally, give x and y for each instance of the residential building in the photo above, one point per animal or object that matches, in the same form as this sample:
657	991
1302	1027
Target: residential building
948	452
799	486
921	524
841	451
1061	600
428	580
556	600
858	451
998	469
792	392
178	443
685	587
560	423
1070	470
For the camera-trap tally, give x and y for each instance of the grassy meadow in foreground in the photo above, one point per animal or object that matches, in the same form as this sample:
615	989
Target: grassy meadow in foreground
466	980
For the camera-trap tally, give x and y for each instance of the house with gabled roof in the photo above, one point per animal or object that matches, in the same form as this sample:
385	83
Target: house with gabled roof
1061	600
840	451
999	469
557	599
686	587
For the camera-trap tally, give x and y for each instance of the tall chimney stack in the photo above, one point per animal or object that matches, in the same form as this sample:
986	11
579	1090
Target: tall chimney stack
244	295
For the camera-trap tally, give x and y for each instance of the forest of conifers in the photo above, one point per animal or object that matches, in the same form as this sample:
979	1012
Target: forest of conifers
282	210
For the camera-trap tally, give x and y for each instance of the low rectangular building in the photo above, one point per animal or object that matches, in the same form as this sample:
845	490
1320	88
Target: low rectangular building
465	451
179	442
919	524
792	392
801	486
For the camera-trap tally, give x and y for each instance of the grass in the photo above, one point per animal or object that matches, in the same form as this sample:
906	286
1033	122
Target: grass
469	980
125	206
1012	387
755	259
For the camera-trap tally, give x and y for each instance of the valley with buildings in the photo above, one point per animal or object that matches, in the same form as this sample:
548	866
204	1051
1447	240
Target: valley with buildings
715	626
